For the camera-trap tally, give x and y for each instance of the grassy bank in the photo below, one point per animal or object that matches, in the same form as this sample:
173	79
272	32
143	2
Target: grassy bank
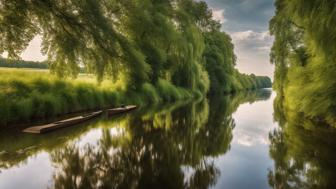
28	95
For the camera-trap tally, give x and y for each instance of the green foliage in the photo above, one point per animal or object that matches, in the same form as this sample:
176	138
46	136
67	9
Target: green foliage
304	54
220	61
171	93
134	42
150	93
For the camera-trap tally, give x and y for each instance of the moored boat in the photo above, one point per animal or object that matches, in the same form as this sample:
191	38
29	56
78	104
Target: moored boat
61	124
120	110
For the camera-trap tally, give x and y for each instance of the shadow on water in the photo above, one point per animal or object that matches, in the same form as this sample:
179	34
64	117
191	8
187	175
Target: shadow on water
303	152
164	146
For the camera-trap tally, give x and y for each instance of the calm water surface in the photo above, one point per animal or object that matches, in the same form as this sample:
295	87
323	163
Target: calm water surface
227	142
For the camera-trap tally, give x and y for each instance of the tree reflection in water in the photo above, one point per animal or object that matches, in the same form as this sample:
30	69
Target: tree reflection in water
303	152
171	146
155	149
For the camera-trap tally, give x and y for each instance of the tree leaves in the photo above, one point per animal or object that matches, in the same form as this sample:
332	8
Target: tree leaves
304	54
141	41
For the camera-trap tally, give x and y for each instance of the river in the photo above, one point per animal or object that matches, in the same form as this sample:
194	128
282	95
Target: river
235	141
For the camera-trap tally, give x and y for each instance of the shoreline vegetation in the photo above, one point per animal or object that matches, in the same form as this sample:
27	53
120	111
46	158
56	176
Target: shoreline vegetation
134	52
28	95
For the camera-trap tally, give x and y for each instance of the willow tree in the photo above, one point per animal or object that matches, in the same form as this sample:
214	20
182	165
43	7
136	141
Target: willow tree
169	35
149	24
134	37
304	53
220	61
74	33
190	73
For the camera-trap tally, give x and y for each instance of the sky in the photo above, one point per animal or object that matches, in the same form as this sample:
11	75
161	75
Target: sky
247	23
245	20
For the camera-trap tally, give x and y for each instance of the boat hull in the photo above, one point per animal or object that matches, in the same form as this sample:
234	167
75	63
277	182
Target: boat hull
62	124
116	111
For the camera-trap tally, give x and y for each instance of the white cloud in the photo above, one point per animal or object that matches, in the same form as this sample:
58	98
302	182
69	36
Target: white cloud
249	138
252	49
218	15
264	48
247	22
251	41
251	35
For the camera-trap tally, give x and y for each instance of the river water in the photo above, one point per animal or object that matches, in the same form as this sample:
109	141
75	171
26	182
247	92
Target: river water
223	142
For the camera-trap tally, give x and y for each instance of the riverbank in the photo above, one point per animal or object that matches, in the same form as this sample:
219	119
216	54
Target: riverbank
30	95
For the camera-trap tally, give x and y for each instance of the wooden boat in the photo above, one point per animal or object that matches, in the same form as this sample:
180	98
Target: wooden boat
120	110
61	124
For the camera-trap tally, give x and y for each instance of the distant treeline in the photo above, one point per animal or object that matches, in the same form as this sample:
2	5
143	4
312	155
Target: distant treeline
22	64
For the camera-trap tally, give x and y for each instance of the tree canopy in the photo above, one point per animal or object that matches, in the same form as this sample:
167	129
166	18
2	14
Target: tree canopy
137	41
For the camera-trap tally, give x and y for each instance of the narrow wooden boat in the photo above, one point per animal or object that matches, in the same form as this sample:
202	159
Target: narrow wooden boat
61	124
120	110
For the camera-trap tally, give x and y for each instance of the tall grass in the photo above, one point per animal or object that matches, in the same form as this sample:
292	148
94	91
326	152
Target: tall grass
27	95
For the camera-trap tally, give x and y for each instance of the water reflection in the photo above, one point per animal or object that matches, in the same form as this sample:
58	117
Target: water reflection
173	146
303	152
151	158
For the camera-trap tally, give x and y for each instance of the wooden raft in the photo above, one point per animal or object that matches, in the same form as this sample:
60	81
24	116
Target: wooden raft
61	124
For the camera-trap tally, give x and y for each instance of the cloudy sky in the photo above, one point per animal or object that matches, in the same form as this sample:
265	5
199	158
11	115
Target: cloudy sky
247	23
245	20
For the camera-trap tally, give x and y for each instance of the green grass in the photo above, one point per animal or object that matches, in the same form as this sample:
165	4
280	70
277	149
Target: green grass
27	95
